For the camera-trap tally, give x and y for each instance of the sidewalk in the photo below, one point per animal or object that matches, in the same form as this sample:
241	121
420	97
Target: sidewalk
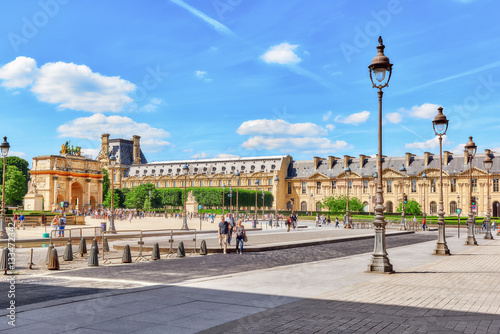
455	294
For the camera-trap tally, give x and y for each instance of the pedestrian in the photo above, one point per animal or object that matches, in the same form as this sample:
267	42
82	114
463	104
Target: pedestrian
44	219
54	224
328	220
241	235
21	221
62	224
423	224
223	234
295	219
16	220
322	220
130	217
317	219
494	225
414	221
232	225
336	222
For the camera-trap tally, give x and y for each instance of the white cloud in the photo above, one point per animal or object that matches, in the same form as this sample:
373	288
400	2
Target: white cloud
203	75
305	144
394	117
431	143
279	127
426	111
199	155
68	85
330	127
226	156
187	150
148	107
355	118
16	154
19	73
327	116
281	54
93	152
152	139
460	148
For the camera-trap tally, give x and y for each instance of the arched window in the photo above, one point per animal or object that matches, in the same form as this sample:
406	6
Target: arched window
453	207
496	209
289	205
318	206
366	207
303	206
388	205
433	208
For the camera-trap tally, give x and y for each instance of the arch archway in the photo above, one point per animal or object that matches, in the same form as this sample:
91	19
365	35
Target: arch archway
366	207
433	208
318	206
289	205
496	209
388	205
76	196
92	202
303	206
453	207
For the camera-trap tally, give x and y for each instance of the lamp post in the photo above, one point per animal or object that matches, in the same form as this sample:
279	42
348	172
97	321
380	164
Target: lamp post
374	197
347	173
488	163
402	170
276	181
263	194
231	201
149	203
471	239
440	126
223	190
459	211
256	217
185	170
424	180
237	174
112	162
379	67
4	151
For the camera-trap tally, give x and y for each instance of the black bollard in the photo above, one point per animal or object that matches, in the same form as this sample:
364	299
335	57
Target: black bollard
105	245
49	250
127	257
94	244
68	252
155	255
53	260
203	248
4	265
180	250
93	258
82	249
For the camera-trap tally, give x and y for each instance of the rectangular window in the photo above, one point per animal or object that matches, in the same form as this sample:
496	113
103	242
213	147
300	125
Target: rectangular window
220	183
365	186
318	187
175	184
474	184
304	189
114	177
433	185
229	183
270	189
414	185
157	184
192	183
183	184
133	184
166	184
259	182
125	185
495	184
349	185
239	182
453	185
201	183
289	188
249	182
334	184
210	183
389	186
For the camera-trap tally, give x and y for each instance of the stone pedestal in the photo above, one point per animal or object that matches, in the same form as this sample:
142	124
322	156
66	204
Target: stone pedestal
191	204
33	202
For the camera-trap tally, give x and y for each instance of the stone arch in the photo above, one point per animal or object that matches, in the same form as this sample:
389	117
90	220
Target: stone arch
366	207
318	206
433	208
303	206
92	202
496	209
389	207
76	196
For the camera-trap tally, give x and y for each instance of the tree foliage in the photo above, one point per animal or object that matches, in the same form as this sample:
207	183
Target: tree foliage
21	164
15	185
412	208
339	204
119	196
105	182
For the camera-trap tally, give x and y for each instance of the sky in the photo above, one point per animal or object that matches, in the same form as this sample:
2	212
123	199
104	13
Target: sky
225	78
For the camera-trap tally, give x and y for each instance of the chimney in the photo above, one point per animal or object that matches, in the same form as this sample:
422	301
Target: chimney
137	149
447	155
316	162
346	160
105	144
331	161
362	158
408	159
466	157
427	156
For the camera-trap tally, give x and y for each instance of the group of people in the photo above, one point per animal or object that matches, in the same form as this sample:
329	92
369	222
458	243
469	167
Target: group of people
59	223
19	220
227	227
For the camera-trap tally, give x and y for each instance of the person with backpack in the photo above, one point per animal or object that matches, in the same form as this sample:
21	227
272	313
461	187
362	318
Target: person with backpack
223	234
62	224
241	235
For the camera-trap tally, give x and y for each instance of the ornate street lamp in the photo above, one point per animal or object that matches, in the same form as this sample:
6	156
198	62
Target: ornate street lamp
4	151
440	126
380	68
488	163
185	170
112	162
459	211
374	197
471	239
256	216
237	174
263	194
424	184
230	201
223	190
276	181
347	174
402	170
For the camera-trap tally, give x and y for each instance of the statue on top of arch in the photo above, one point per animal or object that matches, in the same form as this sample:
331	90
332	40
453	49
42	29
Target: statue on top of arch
67	150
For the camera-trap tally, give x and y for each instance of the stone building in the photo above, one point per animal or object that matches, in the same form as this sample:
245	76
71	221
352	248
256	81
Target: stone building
66	178
304	184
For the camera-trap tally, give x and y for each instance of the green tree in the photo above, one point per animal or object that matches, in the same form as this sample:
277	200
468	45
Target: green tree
339	204
136	197
21	164
105	182
412	208
119	196
15	185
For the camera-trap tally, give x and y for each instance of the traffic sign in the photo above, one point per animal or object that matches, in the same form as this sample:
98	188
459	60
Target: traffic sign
459	211
473	207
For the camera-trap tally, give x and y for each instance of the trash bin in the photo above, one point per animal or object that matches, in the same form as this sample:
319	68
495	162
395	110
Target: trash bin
46	235
103	226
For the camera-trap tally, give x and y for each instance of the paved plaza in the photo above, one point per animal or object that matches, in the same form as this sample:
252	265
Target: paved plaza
315	289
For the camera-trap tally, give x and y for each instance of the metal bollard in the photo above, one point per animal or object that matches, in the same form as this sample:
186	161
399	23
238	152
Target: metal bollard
180	250
68	252
94	244
203	248
127	256
5	260
93	258
49	250
53	260
82	249
105	245
155	255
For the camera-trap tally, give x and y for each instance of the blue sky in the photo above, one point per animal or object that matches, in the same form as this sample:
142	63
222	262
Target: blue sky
215	78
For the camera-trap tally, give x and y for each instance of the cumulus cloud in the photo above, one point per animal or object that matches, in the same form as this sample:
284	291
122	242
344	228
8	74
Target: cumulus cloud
305	144
68	85
281	54
279	127
330	127
152	139
92	152
152	105
203	75
426	111
355	118
226	156
327	116
199	155
394	117
16	154
431	143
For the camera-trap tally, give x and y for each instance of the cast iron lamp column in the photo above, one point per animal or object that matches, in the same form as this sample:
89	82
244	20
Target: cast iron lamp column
223	190
402	170
374	197
379	67
276	180
440	126
112	162
459	211
5	150
263	204
424	185
347	174
471	239
488	163
237	174
256	216
185	170
230	201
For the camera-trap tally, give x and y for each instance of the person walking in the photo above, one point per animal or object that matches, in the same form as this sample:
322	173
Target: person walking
328	220
223	234
232	225
54	224
62	225
317	219
240	234
336	222
423	224
21	221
